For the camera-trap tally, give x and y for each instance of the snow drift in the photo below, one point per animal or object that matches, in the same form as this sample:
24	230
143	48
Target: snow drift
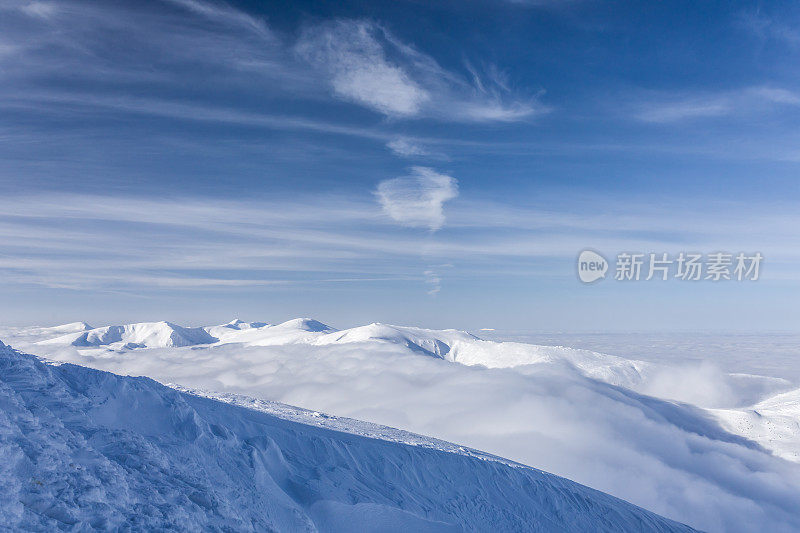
84	449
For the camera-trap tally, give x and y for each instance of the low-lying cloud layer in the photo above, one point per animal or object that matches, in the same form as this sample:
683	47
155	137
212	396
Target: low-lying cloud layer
669	458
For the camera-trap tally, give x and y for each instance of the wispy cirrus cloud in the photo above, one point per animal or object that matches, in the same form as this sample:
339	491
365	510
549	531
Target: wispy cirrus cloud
750	100
405	147
435	282
193	112
417	200
359	69
42	10
56	62
169	43
368	65
225	14
767	27
125	243
411	148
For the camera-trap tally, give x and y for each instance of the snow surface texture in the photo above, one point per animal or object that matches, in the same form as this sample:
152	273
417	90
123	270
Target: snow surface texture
84	449
615	424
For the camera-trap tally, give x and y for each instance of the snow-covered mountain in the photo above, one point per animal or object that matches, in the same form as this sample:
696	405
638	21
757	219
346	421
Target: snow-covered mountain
436	343
84	449
451	345
774	423
623	426
142	335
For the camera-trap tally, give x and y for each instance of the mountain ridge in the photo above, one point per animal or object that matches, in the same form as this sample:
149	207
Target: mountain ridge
91	449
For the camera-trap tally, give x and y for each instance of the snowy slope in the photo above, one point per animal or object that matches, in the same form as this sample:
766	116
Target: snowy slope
232	330
774	423
33	334
615	424
298	330
84	449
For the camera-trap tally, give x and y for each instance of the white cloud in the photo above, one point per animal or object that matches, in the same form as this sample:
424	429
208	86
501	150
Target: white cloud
39	9
418	200
165	45
675	111
36	9
776	95
225	15
368	65
197	41
412	148
494	110
192	112
359	68
435	282
766	27
406	147
127	243
740	102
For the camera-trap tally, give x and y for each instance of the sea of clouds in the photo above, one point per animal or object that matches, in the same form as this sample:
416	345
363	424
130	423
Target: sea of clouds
669	457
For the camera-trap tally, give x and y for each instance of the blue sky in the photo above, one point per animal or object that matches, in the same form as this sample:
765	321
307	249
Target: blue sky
431	163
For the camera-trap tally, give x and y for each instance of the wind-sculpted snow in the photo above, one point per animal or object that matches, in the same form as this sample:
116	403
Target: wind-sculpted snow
576	413
84	449
774	423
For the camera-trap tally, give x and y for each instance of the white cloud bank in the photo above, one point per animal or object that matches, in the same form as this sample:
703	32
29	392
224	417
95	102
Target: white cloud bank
418	200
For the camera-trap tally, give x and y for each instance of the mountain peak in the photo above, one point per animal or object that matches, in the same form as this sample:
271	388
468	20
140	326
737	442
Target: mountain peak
305	324
160	334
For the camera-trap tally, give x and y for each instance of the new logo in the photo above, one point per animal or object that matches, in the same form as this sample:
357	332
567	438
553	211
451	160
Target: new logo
591	266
